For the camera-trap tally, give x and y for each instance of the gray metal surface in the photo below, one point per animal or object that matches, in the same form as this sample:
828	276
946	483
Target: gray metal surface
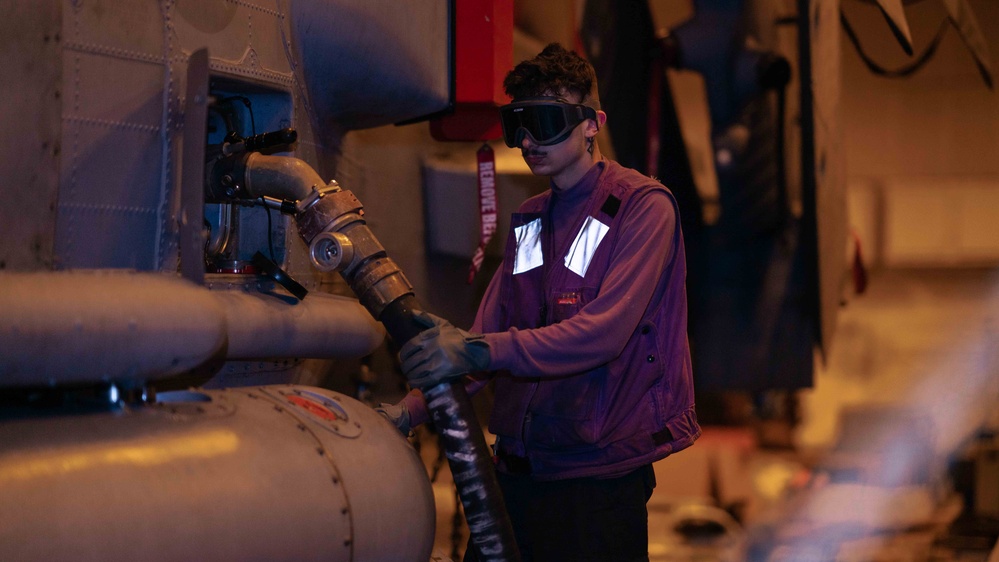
93	326
117	160
92	185
322	326
280	177
100	88
192	192
267	473
93	168
361	58
32	90
89	326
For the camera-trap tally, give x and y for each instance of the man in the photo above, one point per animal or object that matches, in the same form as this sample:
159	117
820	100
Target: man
583	330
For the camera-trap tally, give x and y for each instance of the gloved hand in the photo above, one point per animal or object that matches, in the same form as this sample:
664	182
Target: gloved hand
442	352
398	414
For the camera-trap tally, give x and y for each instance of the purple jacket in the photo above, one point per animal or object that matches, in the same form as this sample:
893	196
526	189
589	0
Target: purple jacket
587	323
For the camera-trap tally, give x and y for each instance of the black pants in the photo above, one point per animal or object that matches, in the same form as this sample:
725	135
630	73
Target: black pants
579	520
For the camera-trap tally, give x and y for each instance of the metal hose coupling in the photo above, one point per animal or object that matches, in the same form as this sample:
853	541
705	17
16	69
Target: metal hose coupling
331	222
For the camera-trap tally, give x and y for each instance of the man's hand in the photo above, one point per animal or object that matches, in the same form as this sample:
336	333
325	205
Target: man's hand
397	414
441	352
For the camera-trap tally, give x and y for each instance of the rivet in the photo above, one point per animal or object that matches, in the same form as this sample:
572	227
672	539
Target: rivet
650	358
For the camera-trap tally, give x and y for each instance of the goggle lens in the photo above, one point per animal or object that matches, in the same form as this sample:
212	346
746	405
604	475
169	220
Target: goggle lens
546	121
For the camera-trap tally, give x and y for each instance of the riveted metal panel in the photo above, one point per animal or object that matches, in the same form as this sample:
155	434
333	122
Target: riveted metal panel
30	139
120	29
110	194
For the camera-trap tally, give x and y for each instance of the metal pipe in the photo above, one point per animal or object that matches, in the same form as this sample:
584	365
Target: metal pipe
92	326
219	240
279	176
97	326
323	326
387	294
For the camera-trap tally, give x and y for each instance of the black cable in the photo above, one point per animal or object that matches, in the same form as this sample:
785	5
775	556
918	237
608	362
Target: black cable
253	123
249	107
901	72
270	227
208	240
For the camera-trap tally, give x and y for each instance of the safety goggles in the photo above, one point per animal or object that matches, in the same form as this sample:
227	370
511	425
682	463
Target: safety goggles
547	120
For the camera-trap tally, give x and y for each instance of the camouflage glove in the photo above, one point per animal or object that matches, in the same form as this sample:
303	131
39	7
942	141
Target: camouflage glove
441	352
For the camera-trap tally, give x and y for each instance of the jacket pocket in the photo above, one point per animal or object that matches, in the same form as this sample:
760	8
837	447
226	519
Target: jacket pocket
568	412
510	405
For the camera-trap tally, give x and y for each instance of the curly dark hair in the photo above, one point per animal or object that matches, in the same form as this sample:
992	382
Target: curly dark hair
554	70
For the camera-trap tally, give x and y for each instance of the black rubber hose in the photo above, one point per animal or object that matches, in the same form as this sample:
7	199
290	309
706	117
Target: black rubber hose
465	447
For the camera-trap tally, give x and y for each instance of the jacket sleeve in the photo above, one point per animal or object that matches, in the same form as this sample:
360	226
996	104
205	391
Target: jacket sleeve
601	329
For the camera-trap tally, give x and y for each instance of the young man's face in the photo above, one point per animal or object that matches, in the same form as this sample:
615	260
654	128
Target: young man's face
567	161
